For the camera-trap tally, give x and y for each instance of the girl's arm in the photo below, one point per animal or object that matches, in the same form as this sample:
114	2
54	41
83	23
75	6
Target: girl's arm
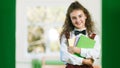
66	56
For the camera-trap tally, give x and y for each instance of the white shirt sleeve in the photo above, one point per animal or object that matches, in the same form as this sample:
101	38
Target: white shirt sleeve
92	52
67	57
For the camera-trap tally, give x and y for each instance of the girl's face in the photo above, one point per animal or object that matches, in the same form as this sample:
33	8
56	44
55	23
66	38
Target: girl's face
78	19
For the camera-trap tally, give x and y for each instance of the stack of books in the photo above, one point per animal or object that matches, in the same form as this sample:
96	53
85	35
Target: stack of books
82	42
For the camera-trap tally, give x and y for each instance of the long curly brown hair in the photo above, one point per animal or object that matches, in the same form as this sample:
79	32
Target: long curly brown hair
68	26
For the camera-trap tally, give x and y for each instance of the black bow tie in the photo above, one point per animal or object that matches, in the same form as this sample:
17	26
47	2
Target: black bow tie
78	32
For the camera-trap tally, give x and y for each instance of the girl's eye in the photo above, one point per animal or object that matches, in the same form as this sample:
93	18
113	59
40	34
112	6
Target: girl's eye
73	17
80	16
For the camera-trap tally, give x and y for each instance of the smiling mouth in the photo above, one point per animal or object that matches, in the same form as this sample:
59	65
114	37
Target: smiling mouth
78	23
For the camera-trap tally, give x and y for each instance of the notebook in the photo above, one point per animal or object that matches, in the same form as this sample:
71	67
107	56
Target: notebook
85	42
71	41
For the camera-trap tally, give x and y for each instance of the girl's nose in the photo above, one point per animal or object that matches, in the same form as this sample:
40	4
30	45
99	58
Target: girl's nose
77	19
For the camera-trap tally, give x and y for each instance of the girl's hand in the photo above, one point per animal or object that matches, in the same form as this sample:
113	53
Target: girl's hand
73	49
88	61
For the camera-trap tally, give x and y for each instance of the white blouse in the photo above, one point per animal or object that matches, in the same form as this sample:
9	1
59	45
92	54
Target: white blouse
67	57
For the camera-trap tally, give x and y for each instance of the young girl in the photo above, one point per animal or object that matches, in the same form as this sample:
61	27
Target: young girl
78	22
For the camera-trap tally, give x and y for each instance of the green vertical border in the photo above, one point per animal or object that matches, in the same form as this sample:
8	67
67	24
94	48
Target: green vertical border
7	34
111	33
